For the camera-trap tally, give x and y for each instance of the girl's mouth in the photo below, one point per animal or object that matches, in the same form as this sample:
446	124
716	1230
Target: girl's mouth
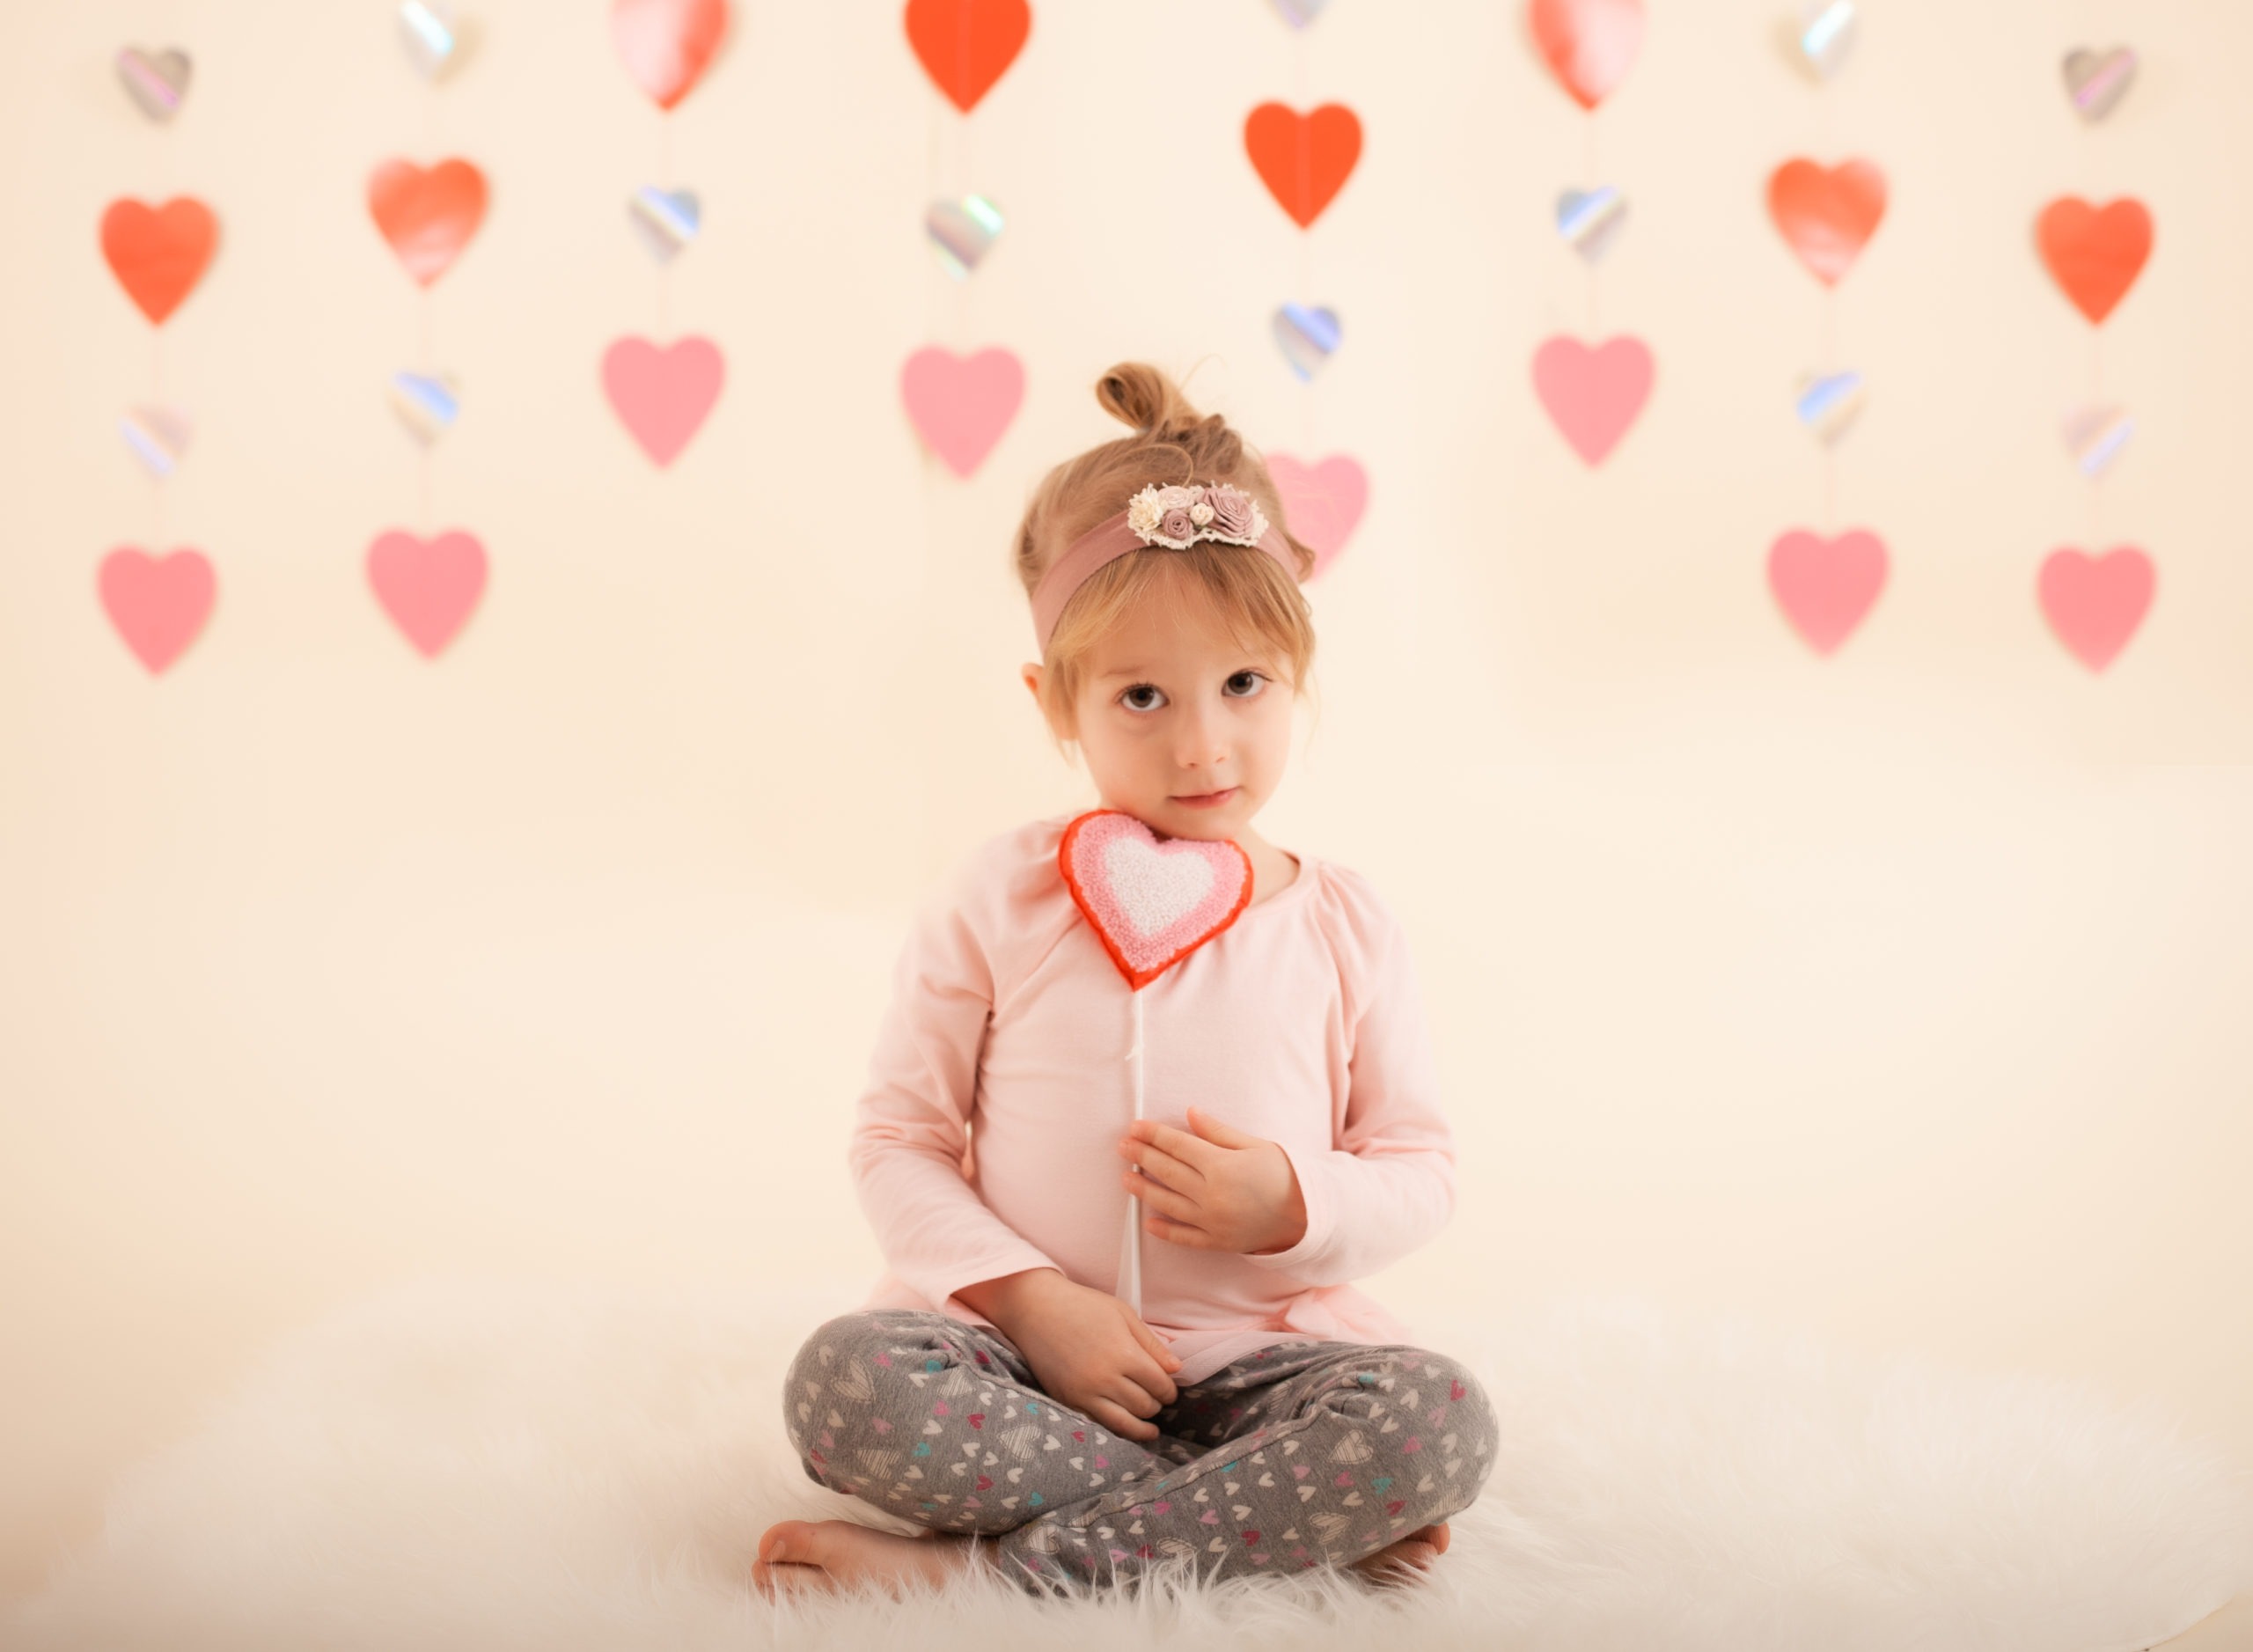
1209	799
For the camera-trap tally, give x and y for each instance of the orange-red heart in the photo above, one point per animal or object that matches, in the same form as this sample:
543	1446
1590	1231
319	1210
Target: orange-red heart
427	215
1303	159
666	45
966	45
2095	254
1827	215
159	254
1590	45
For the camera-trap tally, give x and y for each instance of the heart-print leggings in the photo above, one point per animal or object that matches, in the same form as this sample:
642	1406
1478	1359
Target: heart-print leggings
1300	1453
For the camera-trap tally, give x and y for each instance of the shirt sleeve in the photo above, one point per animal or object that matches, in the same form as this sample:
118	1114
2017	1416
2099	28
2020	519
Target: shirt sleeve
911	1127
1388	1183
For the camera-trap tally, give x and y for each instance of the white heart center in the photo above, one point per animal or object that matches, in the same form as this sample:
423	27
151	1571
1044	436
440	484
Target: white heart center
1155	890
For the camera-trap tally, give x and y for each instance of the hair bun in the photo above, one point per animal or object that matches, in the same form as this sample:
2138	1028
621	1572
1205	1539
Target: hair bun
1146	398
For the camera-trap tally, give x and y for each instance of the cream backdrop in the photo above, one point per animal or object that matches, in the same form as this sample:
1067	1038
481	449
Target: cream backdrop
1900	995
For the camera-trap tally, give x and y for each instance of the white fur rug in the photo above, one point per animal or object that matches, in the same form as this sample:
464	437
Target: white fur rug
495	1467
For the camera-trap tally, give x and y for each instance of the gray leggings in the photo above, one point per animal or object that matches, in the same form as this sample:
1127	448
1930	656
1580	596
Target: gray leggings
1300	1453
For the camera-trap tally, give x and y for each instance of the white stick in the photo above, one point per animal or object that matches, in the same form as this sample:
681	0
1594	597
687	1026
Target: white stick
1130	1248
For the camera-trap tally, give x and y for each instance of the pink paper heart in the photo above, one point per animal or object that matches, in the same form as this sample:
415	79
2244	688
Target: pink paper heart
1593	394
2095	604
1826	586
662	393
1322	503
960	404
1151	902
427	586
158	603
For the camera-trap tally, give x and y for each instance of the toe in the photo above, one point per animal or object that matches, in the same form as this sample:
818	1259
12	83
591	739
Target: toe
786	1541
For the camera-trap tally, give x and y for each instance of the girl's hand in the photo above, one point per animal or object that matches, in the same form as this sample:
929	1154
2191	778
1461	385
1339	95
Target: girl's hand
1088	1349
1216	1190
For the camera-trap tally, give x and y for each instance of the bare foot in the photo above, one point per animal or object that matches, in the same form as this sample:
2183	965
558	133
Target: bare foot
1400	1560
829	1555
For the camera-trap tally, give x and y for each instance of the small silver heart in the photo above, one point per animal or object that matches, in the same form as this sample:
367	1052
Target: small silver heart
1306	336
1820	37
666	220
157	436
1299	13
1828	403
157	81
1589	220
2096	81
2095	438
435	39
426	405
963	232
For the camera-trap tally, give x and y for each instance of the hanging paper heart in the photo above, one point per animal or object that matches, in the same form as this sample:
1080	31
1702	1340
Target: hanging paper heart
1322	503
1825	586
1827	215
2095	437
429	587
1824	36
427	217
663	394
2096	81
1593	394
1151	901
1299	13
159	254
2095	604
961	405
1303	159
1306	336
1589	44
666	219
667	45
157	604
963	232
1828	403
425	404
966	46
435	41
1589	220
157	436
156	81
2095	254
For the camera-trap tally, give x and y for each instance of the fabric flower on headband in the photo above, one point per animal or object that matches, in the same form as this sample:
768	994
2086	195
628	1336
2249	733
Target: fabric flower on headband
1177	517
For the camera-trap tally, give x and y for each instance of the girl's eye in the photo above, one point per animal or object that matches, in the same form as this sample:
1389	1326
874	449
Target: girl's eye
1133	703
1253	678
1150	696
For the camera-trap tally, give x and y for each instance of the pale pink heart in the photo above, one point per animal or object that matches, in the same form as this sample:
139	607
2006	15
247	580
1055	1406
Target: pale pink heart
960	404
2095	604
1826	586
428	587
1593	394
158	603
663	392
1151	902
1322	503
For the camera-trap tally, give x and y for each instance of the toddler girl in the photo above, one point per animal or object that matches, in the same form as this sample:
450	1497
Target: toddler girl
1257	1415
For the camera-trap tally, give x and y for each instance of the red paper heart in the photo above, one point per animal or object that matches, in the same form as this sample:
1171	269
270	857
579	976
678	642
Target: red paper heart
1827	215
1589	44
1593	395
666	45
428	587
1152	902
158	603
2095	604
426	217
2095	254
1303	159
1825	587
966	45
159	254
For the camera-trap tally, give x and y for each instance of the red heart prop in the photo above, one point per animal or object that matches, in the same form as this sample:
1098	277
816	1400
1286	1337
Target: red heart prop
666	45
158	604
966	45
1303	159
1151	902
428	587
1593	395
1827	215
1826	586
2095	254
2095	604
426	217
1589	44
159	254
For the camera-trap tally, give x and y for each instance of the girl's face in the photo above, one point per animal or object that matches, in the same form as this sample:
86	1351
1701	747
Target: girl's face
1182	727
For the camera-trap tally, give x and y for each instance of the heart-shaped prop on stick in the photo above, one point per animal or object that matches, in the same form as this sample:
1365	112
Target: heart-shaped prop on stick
158	604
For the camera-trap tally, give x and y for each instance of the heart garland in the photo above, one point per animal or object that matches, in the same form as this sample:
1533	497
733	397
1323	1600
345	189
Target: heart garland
961	405
1303	159
966	46
663	394
158	605
158	254
1593	394
1826	586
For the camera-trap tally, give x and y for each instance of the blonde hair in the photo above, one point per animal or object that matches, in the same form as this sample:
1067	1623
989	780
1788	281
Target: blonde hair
1173	444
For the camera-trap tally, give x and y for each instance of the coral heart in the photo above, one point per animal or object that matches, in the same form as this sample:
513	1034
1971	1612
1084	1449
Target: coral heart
1151	903
2095	254
2095	603
159	254
427	216
158	603
967	45
428	587
1826	586
662	393
1827	215
1593	394
666	45
961	405
1322	503
1303	159
1589	44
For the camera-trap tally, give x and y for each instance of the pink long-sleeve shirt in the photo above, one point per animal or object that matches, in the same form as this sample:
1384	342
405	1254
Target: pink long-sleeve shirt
1010	1027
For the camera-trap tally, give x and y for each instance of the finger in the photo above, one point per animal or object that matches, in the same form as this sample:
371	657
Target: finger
1119	1421
1164	1167
1179	1233
1151	1379
1166	1357
1221	1134
1193	1151
1157	1196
